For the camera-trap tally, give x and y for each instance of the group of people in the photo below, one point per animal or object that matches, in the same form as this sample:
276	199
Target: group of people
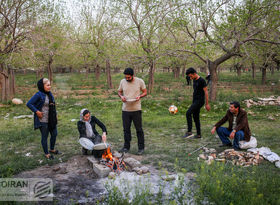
130	91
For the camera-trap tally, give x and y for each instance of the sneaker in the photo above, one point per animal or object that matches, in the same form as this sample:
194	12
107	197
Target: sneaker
140	152
123	150
188	135
49	157
225	145
196	137
236	149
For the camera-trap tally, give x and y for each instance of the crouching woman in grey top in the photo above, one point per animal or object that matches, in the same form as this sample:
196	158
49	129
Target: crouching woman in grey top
43	106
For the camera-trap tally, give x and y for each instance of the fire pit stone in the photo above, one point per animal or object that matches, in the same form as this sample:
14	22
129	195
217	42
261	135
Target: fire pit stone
132	163
99	169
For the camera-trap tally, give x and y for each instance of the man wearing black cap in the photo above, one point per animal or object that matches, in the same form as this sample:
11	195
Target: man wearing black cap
131	90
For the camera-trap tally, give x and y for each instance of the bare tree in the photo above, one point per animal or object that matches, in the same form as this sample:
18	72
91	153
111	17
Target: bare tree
16	22
144	22
226	26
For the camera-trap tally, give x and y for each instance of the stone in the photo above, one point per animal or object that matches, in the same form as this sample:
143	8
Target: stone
17	101
101	170
132	163
117	154
277	164
141	170
55	169
168	177
271	118
112	175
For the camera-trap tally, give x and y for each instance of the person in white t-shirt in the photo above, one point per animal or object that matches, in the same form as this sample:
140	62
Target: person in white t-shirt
131	90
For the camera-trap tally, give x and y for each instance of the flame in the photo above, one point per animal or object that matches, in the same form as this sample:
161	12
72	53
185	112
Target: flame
114	163
107	154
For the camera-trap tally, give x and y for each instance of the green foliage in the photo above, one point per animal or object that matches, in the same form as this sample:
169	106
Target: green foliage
225	184
162	130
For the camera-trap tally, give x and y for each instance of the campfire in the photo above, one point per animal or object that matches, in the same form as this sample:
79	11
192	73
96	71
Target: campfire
114	163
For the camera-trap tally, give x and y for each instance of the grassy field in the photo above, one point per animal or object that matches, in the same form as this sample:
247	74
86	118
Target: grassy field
21	149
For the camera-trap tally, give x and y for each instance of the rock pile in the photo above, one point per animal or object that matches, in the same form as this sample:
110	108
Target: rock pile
272	100
132	165
239	158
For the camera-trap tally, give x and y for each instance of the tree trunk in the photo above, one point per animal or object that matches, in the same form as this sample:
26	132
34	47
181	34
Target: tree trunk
264	74
70	69
176	72
212	67
97	71
238	69
12	86
5	83
50	74
151	76
183	72
87	71
108	74
253	70
272	69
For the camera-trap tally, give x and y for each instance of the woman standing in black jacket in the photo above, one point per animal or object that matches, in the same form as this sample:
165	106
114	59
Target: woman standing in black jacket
86	127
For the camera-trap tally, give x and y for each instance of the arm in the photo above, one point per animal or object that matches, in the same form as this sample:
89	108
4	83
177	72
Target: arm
120	94
30	105
218	124
103	127
100	124
144	93
82	129
207	106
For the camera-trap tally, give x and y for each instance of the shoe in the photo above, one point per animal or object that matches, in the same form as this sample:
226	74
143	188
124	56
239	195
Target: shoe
196	137
123	150
49	157
225	145
236	149
55	152
140	152
84	151
188	135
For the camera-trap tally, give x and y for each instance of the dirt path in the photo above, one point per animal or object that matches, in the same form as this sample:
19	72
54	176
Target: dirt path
74	180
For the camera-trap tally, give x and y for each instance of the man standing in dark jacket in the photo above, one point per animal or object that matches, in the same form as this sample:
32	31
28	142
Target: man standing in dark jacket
200	97
238	128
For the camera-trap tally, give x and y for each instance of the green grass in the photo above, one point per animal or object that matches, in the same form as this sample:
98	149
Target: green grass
162	131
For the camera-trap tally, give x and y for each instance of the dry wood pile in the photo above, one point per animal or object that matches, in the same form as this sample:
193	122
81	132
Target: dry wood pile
239	158
272	100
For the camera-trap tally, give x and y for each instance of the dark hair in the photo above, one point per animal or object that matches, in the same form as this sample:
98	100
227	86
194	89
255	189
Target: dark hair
190	71
128	71
86	112
235	104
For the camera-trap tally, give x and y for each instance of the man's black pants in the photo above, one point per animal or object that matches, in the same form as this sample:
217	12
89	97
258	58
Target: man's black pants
136	118
194	111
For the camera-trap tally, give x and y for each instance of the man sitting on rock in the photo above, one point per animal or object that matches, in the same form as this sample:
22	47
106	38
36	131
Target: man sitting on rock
238	128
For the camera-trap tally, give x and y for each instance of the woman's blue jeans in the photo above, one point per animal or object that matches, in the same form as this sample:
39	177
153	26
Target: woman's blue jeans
44	139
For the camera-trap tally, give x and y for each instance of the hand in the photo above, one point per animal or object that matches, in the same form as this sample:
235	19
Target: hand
39	114
123	98
213	130
138	98
232	134
207	107
104	137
